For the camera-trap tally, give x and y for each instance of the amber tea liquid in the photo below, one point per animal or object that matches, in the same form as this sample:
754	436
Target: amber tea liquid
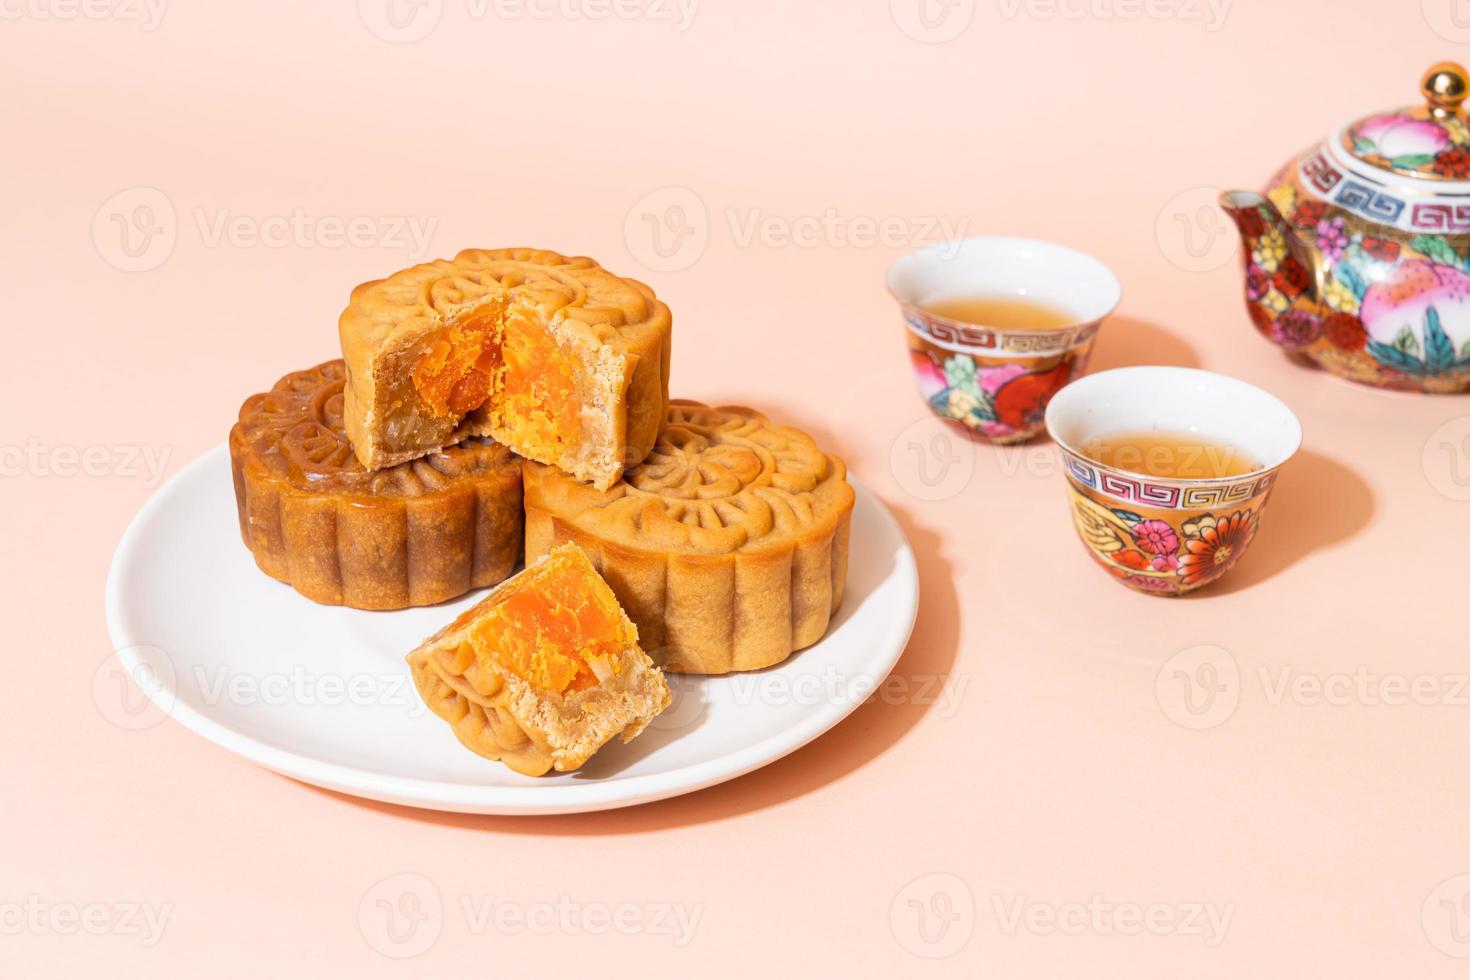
1002	312
1170	455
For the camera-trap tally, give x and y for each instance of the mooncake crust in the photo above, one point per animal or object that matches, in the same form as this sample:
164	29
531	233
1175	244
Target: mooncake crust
727	546
584	305
497	714
410	535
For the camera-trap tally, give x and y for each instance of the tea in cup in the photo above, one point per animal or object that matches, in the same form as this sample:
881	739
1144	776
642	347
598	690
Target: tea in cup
1168	470
996	326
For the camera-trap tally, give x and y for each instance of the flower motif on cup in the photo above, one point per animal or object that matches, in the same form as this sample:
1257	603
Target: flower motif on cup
1212	544
1156	555
994	398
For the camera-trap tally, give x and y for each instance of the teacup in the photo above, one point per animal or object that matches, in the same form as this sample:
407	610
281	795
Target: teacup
995	381
1169	536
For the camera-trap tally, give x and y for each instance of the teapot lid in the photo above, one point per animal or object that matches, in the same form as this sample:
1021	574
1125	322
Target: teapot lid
1429	141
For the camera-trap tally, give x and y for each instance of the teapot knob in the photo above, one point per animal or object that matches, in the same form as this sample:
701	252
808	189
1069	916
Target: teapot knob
1445	87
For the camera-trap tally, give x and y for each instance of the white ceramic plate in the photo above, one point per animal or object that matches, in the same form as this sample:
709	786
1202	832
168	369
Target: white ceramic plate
322	693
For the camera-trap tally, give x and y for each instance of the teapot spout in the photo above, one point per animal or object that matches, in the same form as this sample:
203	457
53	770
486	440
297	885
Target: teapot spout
1281	276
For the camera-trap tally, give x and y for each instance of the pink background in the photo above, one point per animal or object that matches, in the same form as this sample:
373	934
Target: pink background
1330	833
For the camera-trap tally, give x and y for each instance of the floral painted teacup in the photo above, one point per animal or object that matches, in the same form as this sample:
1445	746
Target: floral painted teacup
1169	536
996	381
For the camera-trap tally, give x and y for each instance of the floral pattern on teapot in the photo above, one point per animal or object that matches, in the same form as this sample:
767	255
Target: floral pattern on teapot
1368	276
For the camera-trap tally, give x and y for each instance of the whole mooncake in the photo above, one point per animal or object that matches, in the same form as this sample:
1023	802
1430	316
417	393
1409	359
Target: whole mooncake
542	672
555	357
410	535
727	546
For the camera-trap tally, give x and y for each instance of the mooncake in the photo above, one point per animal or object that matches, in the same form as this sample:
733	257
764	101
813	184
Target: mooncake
409	535
555	357
544	671
727	545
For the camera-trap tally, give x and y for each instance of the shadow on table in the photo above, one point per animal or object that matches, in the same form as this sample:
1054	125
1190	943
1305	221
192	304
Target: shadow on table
1125	341
875	727
1317	503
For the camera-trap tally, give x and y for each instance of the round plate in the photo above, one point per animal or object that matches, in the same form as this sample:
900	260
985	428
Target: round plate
322	693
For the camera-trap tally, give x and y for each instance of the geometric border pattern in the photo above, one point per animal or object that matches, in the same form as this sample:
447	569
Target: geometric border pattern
965	337
1450	214
1184	495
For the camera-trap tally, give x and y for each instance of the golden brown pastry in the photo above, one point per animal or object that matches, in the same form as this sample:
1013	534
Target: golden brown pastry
555	357
727	546
543	672
411	535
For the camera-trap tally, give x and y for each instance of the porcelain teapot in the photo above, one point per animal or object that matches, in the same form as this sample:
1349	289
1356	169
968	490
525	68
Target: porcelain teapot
1356	252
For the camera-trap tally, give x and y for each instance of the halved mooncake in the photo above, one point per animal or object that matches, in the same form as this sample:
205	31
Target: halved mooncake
555	357
544	671
410	535
727	545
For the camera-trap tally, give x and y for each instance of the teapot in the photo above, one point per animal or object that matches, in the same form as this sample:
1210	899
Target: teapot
1356	251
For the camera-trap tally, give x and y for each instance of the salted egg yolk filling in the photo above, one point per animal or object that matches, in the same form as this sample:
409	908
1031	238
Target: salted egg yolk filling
538	400
559	634
454	375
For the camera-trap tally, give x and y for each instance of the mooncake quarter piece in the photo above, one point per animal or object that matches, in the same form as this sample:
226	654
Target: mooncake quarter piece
544	671
555	357
727	546
409	535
